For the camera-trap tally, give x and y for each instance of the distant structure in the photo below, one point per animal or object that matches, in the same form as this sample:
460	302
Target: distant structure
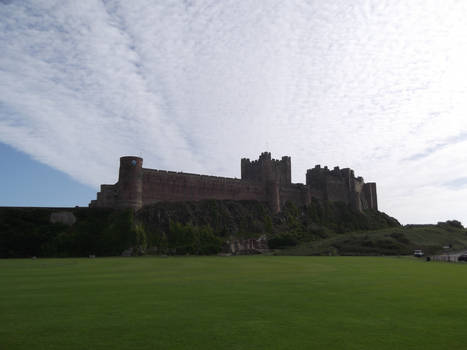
268	180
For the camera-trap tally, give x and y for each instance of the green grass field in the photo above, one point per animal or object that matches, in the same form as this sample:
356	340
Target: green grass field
255	302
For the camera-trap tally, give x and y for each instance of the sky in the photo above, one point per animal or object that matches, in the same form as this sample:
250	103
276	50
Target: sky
375	85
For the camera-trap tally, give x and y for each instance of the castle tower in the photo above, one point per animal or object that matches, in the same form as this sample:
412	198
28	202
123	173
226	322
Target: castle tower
285	166
272	173
369	189
130	183
265	169
265	162
341	185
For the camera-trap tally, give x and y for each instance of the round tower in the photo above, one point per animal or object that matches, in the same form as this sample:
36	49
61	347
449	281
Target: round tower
130	183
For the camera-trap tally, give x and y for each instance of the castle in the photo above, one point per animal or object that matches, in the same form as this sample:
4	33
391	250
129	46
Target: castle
267	180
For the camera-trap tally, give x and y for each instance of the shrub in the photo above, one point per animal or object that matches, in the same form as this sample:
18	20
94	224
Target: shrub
282	240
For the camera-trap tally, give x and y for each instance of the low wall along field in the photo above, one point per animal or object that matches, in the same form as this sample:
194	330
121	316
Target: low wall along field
252	302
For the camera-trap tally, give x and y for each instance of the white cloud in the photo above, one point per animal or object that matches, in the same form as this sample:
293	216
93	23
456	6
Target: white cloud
195	85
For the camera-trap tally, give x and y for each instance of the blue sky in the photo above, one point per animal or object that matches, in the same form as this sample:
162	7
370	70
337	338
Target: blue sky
378	86
26	182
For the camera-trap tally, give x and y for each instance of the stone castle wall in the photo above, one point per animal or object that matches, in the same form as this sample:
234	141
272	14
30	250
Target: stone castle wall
265	179
266	169
341	185
159	185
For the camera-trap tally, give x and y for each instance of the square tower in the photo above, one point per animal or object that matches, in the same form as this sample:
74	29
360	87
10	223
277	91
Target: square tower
265	169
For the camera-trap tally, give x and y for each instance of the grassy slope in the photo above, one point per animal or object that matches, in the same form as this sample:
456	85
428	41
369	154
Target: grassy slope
253	302
390	241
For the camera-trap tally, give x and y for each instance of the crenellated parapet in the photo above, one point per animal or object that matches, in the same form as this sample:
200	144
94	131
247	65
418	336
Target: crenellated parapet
265	179
265	169
341	185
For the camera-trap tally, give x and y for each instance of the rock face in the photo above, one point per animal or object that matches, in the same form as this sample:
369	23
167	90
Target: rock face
265	180
63	217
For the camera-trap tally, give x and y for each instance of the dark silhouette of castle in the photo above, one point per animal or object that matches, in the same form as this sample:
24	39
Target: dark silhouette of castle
268	180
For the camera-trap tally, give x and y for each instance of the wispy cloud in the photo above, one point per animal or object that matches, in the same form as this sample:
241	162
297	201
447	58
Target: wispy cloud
438	146
195	85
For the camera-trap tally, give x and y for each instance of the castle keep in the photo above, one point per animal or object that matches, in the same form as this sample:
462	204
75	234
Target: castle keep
267	180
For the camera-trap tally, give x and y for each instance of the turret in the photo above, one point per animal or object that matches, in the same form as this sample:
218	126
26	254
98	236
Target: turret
286	170
265	169
130	183
265	163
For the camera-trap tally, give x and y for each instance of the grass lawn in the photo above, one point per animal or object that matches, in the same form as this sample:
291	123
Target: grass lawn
254	302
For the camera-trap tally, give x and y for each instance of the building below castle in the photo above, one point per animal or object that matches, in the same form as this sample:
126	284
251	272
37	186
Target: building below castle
267	180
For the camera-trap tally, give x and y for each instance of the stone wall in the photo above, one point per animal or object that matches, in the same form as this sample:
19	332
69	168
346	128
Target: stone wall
266	179
266	169
295	193
341	185
159	185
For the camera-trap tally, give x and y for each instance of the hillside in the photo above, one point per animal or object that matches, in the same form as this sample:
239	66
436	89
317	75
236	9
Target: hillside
390	241
204	227
174	228
251	219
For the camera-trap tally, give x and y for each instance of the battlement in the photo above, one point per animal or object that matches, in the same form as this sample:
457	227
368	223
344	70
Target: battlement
265	169
341	185
168	173
336	171
264	179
